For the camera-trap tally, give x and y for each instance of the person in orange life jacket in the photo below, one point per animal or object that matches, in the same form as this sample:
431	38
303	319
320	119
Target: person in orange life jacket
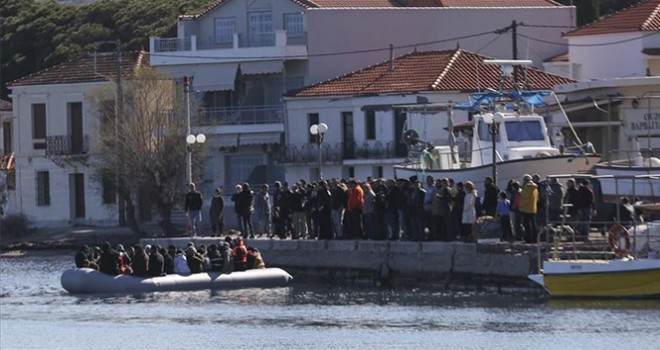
355	203
124	261
240	255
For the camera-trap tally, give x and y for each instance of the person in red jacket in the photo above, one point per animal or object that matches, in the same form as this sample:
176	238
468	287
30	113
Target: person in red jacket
355	202
240	255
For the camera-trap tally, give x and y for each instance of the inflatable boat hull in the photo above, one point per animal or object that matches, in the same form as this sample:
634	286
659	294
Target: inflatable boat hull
84	280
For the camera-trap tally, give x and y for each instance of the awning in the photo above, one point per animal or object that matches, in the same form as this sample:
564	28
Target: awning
236	140
216	77
261	67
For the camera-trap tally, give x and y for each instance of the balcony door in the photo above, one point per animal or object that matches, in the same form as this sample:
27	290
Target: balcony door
348	138
400	150
76	127
77	195
260	29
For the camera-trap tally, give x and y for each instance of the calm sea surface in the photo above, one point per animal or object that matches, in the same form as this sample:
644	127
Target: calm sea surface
36	313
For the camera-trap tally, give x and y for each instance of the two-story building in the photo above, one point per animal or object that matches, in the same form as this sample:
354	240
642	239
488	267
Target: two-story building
243	55
617	62
367	111
55	125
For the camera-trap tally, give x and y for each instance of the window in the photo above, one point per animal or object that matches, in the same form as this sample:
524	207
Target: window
39	125
526	130
6	138
312	118
293	24
484	133
224	31
261	29
43	188
109	189
238	168
370	120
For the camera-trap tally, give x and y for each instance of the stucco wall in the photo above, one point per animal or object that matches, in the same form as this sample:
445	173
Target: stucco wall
355	30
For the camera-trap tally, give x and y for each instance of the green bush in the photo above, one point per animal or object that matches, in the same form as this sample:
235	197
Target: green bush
15	225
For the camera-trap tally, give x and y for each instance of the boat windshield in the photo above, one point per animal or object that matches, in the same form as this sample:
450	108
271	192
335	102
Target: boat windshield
524	130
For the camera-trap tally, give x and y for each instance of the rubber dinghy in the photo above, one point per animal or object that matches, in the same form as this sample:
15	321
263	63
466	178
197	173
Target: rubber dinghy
85	280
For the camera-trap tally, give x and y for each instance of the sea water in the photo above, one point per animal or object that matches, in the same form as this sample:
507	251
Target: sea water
36	313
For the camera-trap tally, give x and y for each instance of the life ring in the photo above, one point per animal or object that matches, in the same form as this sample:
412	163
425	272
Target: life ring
613	238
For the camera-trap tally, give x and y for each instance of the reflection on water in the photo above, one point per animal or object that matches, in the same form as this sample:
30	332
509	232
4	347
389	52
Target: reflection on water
306	316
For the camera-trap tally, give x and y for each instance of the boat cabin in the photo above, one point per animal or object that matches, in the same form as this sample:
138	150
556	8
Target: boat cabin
516	137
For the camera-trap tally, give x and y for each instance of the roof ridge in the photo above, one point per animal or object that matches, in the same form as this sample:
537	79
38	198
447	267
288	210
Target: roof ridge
444	72
625	10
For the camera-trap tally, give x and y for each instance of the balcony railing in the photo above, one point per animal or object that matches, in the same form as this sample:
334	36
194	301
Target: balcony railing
308	153
67	145
238	40
241	115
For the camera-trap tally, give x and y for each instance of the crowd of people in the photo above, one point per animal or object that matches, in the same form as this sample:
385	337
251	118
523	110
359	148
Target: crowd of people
401	209
153	261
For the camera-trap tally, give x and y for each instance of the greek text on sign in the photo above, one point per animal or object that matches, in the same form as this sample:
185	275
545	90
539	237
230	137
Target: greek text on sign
642	122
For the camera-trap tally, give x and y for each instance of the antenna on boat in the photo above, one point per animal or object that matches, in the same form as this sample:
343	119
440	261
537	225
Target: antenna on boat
507	69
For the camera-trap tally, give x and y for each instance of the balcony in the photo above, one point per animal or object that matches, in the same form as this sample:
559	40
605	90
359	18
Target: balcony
67	145
240	47
244	115
308	153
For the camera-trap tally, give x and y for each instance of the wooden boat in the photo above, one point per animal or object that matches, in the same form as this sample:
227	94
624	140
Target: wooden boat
84	280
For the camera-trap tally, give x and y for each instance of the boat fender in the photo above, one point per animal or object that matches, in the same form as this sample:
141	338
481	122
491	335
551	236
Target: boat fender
614	235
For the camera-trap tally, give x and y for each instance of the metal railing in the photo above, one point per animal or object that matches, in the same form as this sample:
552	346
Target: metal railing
66	145
172	44
631	158
336	152
256	40
212	43
241	115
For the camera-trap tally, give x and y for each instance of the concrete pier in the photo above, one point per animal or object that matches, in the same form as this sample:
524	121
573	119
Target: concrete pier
452	265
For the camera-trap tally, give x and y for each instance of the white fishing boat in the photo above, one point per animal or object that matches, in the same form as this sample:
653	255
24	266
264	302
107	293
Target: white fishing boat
506	139
85	280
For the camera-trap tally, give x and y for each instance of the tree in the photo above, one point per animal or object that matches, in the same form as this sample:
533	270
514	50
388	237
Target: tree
144	151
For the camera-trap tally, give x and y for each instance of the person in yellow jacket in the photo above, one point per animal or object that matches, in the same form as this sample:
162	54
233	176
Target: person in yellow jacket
529	198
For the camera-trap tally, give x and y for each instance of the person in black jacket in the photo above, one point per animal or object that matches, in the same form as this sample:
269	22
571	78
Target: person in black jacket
140	262
491	193
193	208
156	262
168	256
217	212
323	207
109	262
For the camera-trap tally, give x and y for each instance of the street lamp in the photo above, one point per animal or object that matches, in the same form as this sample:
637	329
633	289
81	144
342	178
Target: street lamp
494	120
190	141
318	130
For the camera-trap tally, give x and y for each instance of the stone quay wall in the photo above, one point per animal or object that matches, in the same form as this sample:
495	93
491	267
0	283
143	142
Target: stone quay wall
452	265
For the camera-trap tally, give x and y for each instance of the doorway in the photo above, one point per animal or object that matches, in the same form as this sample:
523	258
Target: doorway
77	186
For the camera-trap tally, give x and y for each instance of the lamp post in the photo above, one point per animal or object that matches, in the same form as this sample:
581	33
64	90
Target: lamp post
319	130
494	120
190	141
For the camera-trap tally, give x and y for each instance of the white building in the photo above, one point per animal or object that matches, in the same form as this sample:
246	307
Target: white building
367	111
617	62
243	55
55	124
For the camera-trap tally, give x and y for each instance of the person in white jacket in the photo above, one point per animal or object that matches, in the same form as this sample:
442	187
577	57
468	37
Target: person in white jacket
180	263
469	209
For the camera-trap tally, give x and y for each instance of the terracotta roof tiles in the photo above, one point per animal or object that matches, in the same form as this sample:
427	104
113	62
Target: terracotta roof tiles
641	17
452	70
82	69
397	3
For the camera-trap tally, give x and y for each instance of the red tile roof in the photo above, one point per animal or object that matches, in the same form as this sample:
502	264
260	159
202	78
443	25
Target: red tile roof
398	3
81	69
641	17
452	70
5	105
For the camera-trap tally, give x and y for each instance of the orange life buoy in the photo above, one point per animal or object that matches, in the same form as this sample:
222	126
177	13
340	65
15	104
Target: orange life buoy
613	238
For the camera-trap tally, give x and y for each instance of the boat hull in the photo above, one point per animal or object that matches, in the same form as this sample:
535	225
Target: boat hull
506	170
84	280
645	189
614	279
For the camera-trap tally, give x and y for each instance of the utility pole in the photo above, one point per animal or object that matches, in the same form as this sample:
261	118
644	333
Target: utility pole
119	106
186	93
514	46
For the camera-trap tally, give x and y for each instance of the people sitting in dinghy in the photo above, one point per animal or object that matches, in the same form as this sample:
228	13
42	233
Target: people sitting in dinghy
169	255
254	259
240	255
85	258
156	262
125	261
109	262
194	259
140	262
180	263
